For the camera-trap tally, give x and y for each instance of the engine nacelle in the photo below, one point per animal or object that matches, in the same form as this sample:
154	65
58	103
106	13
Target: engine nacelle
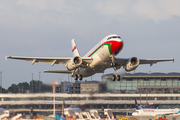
132	64
74	63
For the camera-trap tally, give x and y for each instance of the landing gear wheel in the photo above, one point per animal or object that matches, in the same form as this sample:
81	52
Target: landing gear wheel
113	64
118	77
113	78
76	77
80	77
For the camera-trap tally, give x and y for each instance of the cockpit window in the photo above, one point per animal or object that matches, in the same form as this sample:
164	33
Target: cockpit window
113	37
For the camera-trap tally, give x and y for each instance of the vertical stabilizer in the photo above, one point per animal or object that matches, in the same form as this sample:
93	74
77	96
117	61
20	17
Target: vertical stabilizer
74	48
136	104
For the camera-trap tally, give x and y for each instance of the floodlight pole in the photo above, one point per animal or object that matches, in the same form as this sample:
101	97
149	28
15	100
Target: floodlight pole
32	82
39	82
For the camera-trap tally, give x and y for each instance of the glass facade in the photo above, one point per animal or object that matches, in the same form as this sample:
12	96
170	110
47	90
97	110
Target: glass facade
142	82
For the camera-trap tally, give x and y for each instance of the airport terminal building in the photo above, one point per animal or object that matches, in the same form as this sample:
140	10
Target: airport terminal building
155	89
151	83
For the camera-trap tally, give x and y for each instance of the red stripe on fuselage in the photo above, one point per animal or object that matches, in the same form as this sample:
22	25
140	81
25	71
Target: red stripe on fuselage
115	47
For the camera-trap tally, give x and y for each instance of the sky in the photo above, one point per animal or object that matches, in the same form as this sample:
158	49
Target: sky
44	28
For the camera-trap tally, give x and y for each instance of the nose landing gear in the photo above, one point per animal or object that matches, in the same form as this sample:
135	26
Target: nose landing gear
116	67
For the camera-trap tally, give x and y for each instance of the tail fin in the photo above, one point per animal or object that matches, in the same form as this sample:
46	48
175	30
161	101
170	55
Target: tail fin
64	105
74	48
136	104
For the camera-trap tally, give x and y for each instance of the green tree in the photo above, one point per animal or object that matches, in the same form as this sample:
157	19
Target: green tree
23	87
46	88
35	86
4	90
13	88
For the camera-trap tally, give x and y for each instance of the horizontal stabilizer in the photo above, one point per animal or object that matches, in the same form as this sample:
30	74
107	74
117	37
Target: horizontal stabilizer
58	71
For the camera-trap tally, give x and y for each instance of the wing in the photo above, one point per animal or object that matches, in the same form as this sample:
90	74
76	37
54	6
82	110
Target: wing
123	61
58	71
52	61
153	61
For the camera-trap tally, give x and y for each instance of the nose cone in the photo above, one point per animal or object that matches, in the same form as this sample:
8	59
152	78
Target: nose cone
116	47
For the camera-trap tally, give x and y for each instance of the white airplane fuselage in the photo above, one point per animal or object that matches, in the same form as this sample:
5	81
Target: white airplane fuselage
152	113
101	53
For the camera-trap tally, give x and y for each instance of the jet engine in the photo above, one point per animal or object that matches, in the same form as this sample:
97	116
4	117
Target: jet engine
132	64
74	63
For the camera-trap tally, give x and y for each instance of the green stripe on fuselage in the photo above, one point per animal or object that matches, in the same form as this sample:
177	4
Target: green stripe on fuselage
109	47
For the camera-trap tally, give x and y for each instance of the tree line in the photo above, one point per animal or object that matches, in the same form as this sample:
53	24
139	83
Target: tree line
34	86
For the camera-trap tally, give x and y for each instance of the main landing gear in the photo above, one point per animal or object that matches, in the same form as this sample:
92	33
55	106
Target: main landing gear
116	77
78	76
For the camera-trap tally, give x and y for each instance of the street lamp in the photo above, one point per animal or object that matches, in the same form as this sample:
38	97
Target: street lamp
54	88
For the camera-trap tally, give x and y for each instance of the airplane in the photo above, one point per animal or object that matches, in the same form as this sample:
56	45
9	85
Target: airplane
151	114
97	60
70	110
1	110
136	105
3	113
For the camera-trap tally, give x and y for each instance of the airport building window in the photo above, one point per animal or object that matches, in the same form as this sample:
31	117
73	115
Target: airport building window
175	83
140	82
134	83
129	88
169	82
178	82
163	82
123	88
152	83
123	83
158	82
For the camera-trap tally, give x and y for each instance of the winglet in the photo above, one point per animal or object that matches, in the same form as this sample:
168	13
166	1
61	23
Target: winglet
6	57
74	48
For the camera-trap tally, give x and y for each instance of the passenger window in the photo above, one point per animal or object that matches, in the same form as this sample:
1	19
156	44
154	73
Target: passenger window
109	38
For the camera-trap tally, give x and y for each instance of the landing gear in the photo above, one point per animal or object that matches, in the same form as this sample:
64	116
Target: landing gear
113	78
116	77
113	64
116	67
78	76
